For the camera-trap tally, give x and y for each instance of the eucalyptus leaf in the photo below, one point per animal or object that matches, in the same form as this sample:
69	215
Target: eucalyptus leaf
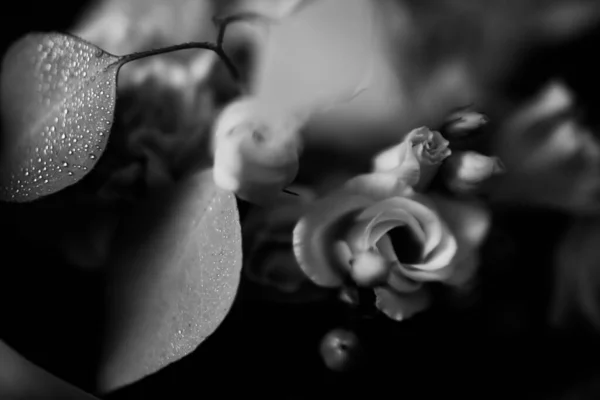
172	279
57	97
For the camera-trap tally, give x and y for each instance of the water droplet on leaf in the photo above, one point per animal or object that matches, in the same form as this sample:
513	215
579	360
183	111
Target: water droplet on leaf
49	95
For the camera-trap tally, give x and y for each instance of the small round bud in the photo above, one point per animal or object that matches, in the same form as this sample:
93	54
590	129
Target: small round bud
340	350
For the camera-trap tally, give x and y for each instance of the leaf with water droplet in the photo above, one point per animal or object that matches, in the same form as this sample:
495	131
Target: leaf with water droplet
172	278
57	97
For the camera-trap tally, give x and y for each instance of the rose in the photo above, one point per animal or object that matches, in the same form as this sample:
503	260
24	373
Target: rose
377	232
416	159
256	150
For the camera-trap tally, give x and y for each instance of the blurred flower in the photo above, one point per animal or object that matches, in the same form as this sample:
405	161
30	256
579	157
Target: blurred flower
395	243
462	122
464	172
416	159
268	256
256	150
551	152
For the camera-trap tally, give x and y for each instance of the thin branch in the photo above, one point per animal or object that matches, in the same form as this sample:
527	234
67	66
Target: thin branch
290	192
184	46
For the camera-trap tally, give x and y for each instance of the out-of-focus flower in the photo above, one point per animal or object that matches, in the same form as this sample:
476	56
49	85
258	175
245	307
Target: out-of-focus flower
551	153
463	122
464	172
256	150
416	159
268	255
369	233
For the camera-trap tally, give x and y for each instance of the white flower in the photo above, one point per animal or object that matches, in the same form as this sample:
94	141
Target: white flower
416	159
256	150
371	233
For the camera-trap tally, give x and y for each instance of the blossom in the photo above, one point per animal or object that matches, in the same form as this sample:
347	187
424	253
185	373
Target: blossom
462	122
380	235
552	155
256	150
465	171
416	159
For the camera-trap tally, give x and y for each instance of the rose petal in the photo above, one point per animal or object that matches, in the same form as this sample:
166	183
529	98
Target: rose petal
315	234
401	306
409	171
385	218
400	283
438	264
391	157
401	161
386	249
427	218
455	260
469	222
377	185
375	221
437	150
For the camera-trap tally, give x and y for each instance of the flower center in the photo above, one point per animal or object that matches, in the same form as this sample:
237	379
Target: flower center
407	246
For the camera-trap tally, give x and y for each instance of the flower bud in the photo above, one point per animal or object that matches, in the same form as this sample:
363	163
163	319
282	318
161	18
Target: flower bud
462	123
464	172
416	159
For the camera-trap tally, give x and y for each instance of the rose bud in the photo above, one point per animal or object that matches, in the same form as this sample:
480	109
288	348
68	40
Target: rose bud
464	172
462	123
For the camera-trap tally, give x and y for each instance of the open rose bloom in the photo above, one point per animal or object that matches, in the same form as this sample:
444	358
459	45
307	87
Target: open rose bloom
381	230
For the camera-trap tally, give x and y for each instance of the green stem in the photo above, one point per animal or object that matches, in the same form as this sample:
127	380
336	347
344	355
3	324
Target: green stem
184	46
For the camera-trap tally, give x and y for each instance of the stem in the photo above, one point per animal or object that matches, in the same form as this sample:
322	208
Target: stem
290	192
184	46
223	22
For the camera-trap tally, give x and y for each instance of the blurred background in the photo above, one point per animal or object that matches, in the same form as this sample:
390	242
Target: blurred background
529	331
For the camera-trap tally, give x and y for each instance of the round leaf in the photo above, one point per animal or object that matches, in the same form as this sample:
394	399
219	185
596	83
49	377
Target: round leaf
57	96
173	278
